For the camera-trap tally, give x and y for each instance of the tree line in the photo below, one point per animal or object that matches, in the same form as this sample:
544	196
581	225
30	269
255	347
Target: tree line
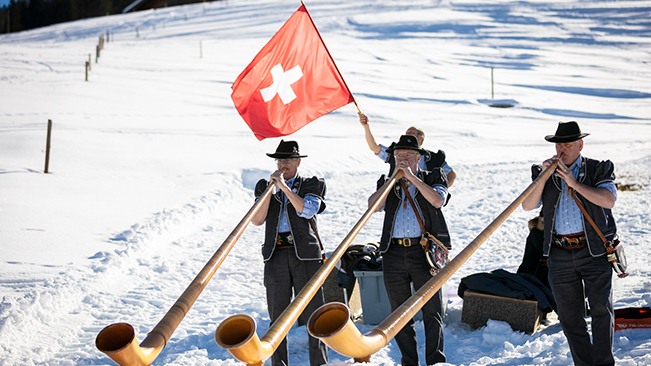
22	15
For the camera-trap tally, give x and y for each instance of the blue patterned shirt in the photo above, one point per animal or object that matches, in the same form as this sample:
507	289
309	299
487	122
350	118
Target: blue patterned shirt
310	207
406	224
568	215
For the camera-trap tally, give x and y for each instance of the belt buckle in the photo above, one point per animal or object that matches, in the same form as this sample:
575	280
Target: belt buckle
405	242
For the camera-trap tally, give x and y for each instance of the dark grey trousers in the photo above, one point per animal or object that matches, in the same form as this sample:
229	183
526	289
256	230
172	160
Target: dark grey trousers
282	273
574	274
402	266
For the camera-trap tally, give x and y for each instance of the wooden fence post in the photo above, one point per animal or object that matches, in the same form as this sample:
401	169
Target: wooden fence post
47	146
89	58
87	67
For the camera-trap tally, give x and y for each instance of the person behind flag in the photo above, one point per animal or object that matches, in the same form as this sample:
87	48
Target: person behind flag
403	258
577	261
291	251
429	160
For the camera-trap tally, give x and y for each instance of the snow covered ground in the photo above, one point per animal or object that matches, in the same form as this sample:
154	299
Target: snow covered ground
151	167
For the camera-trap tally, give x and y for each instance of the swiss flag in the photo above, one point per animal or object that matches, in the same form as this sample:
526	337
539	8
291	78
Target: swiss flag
290	82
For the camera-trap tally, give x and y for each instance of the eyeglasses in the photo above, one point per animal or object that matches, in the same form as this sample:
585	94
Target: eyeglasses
404	156
281	161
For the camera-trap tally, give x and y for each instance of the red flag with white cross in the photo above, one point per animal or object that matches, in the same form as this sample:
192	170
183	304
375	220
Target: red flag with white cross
291	82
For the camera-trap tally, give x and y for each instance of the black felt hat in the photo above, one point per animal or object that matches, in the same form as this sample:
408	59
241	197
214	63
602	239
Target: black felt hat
408	142
287	150
566	132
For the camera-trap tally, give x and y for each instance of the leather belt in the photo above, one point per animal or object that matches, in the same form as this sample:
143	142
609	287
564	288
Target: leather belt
405	242
569	241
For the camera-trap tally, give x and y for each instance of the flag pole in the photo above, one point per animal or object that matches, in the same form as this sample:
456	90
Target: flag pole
331	58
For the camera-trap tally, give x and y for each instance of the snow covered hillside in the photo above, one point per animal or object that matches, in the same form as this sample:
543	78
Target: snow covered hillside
151	166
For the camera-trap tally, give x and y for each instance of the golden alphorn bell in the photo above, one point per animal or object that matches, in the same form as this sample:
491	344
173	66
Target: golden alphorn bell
237	334
118	341
333	325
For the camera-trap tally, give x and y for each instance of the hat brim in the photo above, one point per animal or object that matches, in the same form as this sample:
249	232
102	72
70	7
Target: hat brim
554	138
285	156
420	151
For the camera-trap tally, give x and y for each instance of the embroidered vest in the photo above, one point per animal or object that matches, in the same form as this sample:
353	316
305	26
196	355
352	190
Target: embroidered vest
592	173
433	219
305	242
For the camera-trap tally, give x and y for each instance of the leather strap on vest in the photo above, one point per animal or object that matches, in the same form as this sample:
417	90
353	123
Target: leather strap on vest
609	247
413	205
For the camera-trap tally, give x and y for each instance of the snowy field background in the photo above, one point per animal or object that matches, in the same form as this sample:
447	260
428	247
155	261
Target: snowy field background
151	166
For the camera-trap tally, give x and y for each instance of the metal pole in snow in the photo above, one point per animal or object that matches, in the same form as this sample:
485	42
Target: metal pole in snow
47	146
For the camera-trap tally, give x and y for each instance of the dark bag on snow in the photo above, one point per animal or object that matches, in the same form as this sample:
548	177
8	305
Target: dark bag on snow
361	257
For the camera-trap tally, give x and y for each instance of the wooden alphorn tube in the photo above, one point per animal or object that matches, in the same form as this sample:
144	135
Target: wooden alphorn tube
118	340
333	325
237	334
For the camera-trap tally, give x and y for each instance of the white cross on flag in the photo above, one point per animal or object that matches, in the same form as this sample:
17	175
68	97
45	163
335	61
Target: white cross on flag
291	82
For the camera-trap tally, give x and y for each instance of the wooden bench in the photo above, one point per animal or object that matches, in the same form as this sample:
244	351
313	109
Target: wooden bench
522	315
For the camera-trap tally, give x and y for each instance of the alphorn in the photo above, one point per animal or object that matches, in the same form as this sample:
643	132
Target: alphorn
118	341
332	322
237	334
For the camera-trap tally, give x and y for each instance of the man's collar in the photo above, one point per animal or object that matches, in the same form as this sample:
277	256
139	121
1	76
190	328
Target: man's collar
577	163
290	180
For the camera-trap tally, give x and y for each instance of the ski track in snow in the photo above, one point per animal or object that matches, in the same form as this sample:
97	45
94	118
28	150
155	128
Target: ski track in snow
144	263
